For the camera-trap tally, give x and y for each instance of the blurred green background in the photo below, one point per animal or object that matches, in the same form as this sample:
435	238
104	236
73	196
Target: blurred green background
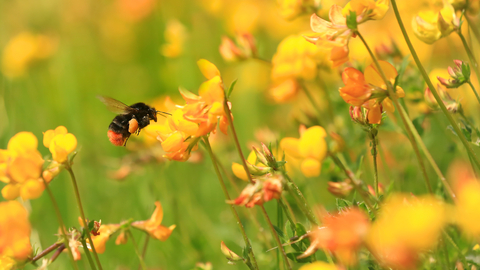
120	49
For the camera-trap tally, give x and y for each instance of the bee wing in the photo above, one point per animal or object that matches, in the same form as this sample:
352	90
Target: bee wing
116	106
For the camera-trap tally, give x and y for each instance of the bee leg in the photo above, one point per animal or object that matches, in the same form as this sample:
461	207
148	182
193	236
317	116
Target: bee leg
125	143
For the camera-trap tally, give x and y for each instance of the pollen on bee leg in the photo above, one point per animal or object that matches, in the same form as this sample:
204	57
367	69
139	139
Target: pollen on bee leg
132	125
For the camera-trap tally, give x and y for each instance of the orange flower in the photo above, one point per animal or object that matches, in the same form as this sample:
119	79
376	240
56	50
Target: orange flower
335	34
153	226
207	109
242	49
102	235
343	234
14	231
359	89
21	167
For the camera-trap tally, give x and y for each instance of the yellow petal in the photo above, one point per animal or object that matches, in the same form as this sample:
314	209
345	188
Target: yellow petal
252	158
239	171
23	141
11	191
173	143
318	266
32	189
208	69
157	216
312	143
48	137
311	167
291	147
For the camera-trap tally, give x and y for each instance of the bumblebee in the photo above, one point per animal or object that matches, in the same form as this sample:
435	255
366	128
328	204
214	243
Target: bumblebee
130	119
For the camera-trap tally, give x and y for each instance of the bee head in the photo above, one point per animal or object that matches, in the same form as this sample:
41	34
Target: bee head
152	113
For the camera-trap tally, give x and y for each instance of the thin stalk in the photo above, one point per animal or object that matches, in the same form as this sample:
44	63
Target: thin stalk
373	141
285	202
82	213
393	97
280	245
235	138
287	212
356	183
473	27
87	252
432	88
445	251
57	253
474	90
302	202
61	223
144	249
46	251
142	263
248	246
460	254
431	160
469	52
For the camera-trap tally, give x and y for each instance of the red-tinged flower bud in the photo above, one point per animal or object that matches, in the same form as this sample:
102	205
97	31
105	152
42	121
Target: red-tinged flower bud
340	189
272	187
229	254
51	171
357	115
229	50
451	104
246	41
459	75
261	157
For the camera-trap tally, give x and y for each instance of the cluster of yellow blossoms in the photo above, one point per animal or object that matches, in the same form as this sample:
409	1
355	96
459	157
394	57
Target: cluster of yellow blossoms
21	164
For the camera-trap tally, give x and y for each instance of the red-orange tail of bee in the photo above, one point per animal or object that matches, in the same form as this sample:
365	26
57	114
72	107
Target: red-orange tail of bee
116	138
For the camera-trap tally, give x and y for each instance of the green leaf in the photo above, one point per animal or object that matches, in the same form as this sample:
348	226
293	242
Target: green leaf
417	123
230	89
342	204
280	233
401	70
352	20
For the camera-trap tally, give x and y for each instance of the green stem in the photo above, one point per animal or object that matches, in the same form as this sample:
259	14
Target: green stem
460	254
142	263
280	245
373	141
61	223
82	213
287	213
87	252
473	27
432	88
302	202
235	138
356	182
474	90
144	250
393	97
248	246
430	159
445	251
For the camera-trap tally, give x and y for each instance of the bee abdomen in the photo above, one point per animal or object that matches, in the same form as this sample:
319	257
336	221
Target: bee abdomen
115	138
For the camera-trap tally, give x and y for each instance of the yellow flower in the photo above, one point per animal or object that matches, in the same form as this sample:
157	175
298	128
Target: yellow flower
15	230
375	10
405	227
153	226
466	207
431	25
311	148
238	169
175	36
60	143
318	266
103	234
23	50
6	263
21	167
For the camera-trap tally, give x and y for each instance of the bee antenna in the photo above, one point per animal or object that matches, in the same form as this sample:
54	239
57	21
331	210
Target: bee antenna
163	113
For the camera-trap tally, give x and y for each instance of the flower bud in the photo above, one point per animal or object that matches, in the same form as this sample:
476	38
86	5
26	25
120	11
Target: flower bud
340	189
52	171
459	75
357	115
230	255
